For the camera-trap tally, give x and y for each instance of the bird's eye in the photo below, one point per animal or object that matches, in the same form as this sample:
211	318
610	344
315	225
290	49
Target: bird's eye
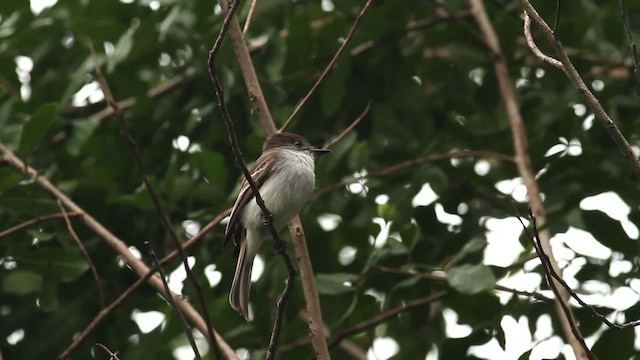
298	144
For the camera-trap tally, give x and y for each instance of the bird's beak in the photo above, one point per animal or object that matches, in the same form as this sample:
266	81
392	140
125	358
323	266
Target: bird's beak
320	151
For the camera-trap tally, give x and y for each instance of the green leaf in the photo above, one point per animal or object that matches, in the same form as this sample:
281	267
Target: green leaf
212	165
48	297
333	284
474	245
66	265
36	128
471	279
21	282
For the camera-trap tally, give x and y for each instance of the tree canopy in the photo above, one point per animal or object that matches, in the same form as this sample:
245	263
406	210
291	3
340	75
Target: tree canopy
449	125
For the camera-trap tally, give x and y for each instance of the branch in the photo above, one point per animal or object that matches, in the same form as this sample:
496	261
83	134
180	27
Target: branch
169	298
391	170
247	23
382	317
534	48
523	162
125	104
248	72
413	272
106	311
112	355
350	127
119	246
328	68
92	266
34	221
295	227
584	92
624	15
137	158
551	279
279	245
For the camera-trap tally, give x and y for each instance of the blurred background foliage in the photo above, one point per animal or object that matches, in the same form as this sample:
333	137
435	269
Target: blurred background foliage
433	90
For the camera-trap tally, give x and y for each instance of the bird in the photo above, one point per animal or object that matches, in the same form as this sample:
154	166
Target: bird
285	177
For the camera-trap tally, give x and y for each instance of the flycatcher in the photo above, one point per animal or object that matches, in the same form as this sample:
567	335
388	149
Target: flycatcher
285	176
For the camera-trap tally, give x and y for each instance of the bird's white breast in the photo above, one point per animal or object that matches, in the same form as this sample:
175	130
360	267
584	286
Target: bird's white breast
285	192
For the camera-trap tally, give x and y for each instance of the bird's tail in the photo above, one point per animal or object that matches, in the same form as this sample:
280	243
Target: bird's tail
239	293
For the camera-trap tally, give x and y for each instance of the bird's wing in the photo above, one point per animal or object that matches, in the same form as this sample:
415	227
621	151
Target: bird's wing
260	172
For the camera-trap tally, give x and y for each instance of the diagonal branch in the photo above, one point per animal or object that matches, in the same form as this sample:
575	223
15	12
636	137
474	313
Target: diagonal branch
92	266
137	158
107	310
330	66
624	15
350	127
176	309
587	96
119	246
36	220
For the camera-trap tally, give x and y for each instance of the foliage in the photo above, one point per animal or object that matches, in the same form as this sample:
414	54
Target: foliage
433	90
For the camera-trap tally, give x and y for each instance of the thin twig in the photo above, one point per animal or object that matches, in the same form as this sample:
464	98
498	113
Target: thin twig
392	170
279	245
137	158
247	23
350	127
587	96
342	334
328	68
549	275
624	15
441	278
169	298
534	48
106	311
557	19
154	92
382	317
112	355
92	266
35	220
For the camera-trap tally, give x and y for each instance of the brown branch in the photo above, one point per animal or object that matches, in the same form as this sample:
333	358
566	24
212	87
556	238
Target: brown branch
534	48
349	128
330	66
523	162
249	73
441	278
553	281
382	317
391	170
92	266
169	298
587	96
125	104
247	23
624	15
369	323
162	214
34	221
106	311
119	246
279	245
112	355
295	227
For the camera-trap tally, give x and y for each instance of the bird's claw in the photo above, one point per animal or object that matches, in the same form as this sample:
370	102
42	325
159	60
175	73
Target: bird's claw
267	220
